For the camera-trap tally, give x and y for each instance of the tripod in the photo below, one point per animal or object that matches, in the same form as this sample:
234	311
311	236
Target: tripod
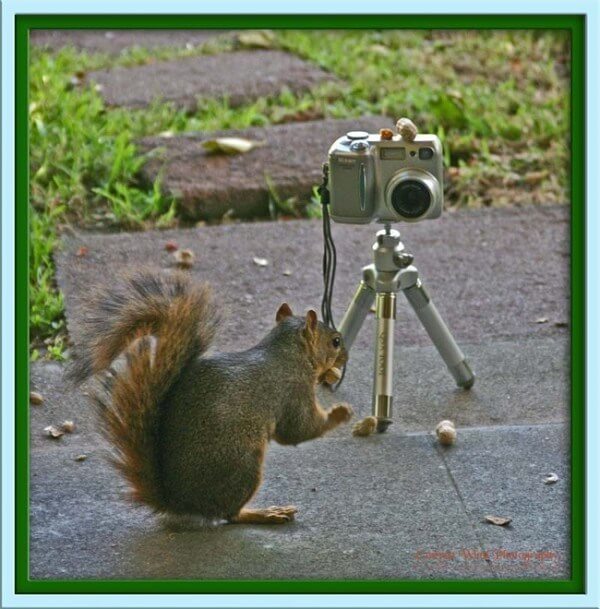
391	271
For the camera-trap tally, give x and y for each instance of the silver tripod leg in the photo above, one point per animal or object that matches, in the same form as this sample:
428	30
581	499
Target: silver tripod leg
438	332
384	359
357	312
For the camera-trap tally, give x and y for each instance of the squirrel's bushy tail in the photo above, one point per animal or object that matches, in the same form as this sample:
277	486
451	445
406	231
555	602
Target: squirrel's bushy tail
160	323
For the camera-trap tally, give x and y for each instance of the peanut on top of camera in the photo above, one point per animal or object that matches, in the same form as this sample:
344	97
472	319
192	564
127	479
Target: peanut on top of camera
406	129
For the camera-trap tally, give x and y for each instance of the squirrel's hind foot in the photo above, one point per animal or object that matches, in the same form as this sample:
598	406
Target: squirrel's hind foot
270	515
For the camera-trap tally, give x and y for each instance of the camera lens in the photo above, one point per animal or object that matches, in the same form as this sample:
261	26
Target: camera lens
411	198
425	153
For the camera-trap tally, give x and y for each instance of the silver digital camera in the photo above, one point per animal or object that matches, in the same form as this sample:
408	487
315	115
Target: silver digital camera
386	180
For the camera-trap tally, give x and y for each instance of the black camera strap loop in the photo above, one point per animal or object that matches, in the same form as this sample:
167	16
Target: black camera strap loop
329	260
329	253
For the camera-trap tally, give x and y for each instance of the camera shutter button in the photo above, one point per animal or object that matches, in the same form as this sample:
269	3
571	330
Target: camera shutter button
357	135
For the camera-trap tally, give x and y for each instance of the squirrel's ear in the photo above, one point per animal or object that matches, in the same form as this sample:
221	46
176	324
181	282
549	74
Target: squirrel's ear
311	320
283	312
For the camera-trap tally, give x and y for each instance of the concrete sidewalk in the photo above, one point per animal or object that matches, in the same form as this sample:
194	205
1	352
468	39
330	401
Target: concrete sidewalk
390	506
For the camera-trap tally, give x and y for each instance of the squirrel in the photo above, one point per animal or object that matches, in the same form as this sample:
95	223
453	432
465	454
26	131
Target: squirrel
190	431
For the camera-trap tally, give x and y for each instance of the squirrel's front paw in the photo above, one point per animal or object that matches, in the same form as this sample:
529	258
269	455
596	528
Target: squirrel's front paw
341	413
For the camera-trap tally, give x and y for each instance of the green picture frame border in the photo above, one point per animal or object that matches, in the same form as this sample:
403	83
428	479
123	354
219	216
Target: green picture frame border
576	25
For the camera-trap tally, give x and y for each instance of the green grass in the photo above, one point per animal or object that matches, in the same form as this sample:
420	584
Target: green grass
499	100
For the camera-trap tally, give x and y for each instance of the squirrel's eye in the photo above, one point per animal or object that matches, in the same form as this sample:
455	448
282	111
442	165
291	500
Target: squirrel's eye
336	342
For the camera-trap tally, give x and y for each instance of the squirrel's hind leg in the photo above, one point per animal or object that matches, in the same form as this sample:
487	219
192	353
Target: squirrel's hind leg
270	515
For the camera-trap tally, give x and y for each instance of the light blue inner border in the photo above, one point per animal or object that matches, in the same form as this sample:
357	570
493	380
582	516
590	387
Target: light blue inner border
12	7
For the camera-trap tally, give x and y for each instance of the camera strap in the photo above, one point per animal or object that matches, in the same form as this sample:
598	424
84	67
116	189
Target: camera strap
329	253
329	259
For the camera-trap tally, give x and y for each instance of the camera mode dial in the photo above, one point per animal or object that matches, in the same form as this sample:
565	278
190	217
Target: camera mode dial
359	145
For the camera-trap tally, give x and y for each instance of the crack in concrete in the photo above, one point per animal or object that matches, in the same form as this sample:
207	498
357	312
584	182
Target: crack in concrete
467	513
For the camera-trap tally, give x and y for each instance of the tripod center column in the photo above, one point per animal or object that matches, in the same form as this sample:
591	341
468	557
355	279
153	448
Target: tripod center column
384	357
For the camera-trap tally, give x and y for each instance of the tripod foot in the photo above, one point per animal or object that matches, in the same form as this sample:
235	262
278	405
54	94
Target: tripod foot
383	424
463	375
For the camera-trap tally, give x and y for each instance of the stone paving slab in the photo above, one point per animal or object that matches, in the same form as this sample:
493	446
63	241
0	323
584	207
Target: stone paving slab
389	506
491	273
375	508
239	76
207	186
116	41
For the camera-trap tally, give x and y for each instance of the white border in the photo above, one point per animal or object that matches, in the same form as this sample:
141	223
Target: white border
12	7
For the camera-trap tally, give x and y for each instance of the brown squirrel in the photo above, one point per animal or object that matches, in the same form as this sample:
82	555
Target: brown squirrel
191	432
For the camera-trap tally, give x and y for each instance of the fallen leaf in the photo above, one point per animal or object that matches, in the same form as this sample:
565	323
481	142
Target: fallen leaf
379	49
312	114
171	246
228	217
82	251
561	324
184	258
260	261
535	177
80	457
54	432
257	39
541	320
498	520
35	398
287	272
551	478
230	145
68	427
